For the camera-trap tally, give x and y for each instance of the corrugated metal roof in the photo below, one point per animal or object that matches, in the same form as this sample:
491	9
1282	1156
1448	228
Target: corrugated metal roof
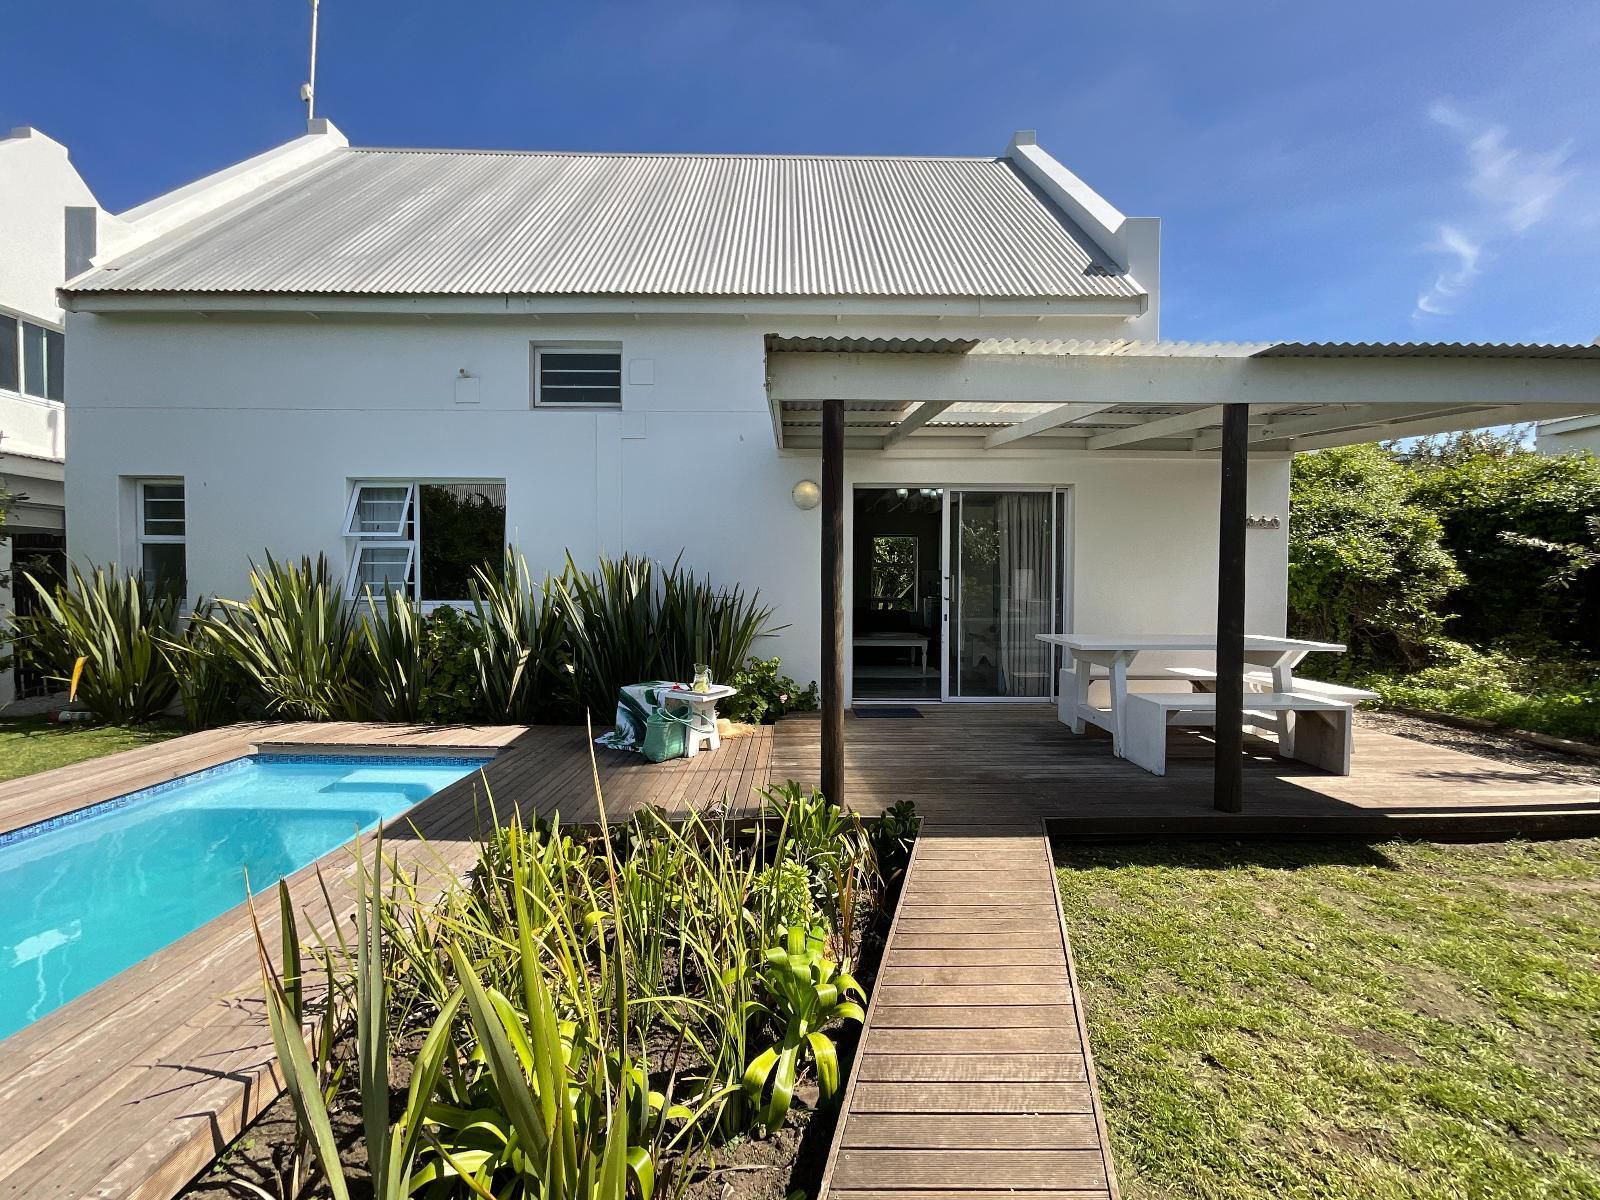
1129	348
430	222
1427	350
1100	347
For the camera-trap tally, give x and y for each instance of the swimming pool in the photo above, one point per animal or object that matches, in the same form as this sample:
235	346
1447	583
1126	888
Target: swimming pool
90	893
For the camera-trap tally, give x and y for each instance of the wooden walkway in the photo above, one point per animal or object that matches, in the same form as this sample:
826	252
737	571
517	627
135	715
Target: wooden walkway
973	1076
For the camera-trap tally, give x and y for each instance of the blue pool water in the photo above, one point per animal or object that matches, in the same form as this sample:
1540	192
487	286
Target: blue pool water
89	894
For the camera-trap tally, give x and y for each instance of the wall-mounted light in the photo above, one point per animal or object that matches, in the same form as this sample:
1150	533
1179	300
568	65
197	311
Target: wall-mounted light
806	494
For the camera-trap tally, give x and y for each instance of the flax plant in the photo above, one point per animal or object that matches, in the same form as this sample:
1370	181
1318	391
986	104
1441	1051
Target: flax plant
710	625
614	629
397	654
117	624
296	639
521	663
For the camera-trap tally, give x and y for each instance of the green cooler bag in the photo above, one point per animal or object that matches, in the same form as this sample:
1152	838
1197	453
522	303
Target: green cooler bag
663	736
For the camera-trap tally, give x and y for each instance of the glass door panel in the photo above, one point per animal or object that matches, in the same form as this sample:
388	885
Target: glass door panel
1003	565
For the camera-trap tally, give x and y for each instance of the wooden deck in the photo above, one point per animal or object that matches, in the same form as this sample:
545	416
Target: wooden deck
973	1075
134	1087
977	765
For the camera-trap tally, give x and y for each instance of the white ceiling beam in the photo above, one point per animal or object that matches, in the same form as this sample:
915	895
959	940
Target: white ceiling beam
925	412
1042	423
1138	380
1327	421
1178	423
1506	414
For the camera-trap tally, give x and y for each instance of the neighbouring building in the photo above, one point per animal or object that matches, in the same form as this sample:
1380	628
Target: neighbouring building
1566	436
405	359
45	207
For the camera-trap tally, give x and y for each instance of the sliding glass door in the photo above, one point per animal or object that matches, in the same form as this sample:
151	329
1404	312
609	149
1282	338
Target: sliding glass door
1004	570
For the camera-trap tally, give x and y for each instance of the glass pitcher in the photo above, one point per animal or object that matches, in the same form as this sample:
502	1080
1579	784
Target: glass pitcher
702	679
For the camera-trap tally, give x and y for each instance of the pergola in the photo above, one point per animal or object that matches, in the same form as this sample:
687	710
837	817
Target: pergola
872	395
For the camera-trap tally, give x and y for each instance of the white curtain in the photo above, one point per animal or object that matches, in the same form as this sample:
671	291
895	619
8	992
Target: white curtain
1025	576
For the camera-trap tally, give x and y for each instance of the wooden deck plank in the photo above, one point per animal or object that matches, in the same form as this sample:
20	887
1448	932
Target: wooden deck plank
1000	1170
972	1098
969	1131
964	1040
880	1067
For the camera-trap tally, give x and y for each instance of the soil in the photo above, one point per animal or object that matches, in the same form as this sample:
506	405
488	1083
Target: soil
741	1168
1485	743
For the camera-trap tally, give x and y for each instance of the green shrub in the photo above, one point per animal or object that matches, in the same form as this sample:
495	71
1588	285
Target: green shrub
1366	564
783	893
765	695
451	693
110	619
1539	692
1485	489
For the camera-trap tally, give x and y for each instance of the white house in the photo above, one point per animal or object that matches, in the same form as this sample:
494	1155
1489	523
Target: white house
399	357
44	207
1567	435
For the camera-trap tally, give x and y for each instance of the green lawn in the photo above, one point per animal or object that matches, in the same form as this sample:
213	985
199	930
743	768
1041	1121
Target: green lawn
32	744
1344	1021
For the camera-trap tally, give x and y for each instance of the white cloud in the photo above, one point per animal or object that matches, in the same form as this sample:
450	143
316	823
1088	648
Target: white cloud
1514	189
1452	282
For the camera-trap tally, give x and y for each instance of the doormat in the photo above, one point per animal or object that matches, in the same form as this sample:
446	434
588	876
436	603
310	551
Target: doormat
887	710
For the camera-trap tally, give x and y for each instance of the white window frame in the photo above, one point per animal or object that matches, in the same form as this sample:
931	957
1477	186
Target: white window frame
408	513
361	541
21	348
539	401
353	586
143	537
364	540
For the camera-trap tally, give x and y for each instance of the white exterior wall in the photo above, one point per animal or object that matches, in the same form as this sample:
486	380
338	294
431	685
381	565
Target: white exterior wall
37	184
268	420
1570	436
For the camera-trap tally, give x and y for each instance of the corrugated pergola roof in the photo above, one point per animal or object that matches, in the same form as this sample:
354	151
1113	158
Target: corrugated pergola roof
437	222
1164	396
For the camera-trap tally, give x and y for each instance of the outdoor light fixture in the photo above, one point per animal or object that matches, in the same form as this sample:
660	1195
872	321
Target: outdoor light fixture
902	492
806	494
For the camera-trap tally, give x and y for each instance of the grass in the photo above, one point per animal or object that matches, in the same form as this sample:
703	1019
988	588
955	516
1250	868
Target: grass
1405	1020
32	744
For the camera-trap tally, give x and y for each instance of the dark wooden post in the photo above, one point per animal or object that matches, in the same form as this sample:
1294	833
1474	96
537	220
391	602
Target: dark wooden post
1228	790
833	600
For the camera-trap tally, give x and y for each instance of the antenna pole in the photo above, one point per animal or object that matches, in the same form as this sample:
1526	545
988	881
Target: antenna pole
309	92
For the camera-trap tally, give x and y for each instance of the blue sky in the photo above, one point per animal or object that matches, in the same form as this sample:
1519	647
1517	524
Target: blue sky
1399	170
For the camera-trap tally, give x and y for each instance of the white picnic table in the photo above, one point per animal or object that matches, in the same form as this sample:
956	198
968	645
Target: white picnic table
1117	652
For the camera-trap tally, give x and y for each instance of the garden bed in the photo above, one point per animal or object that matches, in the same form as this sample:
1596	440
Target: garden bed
1397	1020
1485	742
740	1142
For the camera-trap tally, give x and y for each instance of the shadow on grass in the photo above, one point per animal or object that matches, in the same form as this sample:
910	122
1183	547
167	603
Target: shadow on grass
1220	856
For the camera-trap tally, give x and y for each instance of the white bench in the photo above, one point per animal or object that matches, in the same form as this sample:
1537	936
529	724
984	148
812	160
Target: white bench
1282	723
1205	680
1324	738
